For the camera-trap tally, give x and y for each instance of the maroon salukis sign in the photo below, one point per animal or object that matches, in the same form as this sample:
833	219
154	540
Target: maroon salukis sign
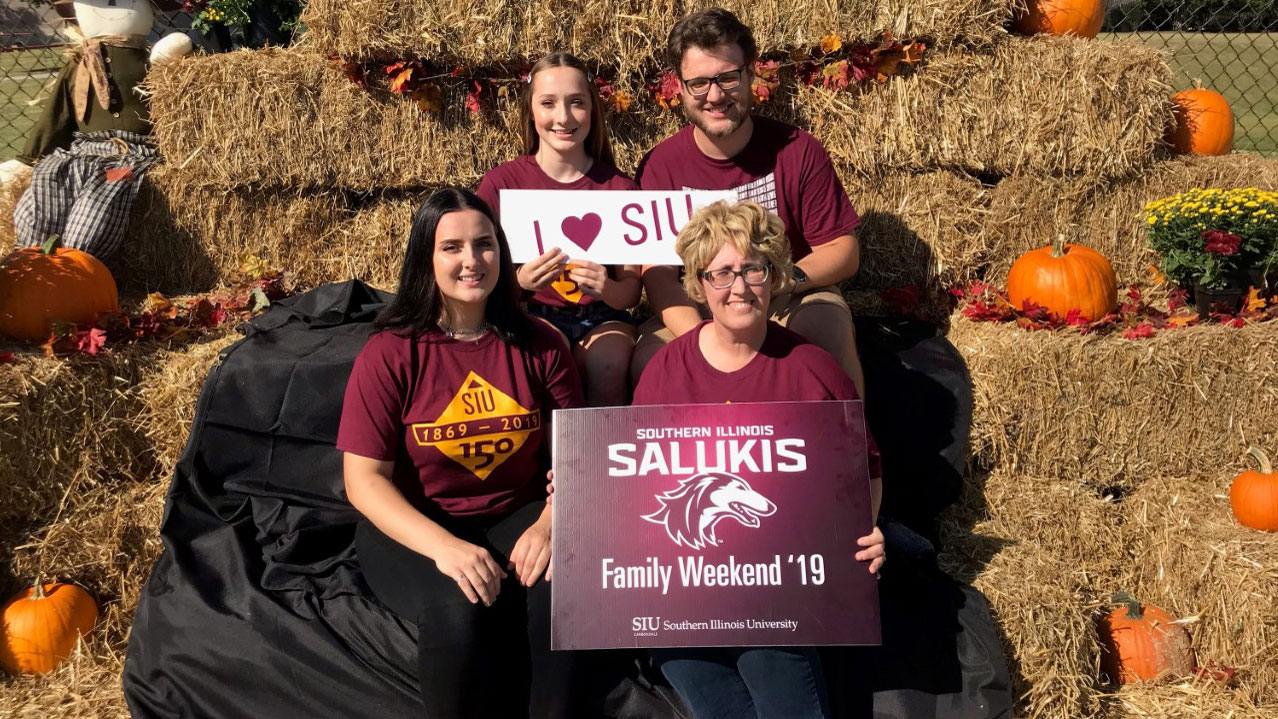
711	525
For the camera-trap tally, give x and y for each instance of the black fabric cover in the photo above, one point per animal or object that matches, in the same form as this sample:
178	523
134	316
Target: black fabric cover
256	607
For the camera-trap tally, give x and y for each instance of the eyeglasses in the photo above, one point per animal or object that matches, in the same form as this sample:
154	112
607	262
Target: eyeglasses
729	80
723	278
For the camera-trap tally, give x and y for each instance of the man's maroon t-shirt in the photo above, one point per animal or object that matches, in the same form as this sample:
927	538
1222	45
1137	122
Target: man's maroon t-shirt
782	168
468	418
787	368
523	173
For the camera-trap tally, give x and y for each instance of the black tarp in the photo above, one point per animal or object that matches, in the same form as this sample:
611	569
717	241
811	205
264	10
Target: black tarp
256	607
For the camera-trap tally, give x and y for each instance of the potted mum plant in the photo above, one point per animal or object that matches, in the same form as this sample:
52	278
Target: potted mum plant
1217	242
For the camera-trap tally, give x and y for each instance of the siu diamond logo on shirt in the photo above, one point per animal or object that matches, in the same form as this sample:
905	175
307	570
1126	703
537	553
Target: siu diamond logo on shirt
691	511
480	428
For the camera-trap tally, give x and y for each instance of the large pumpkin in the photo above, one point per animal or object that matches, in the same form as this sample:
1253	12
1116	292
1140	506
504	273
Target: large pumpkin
1204	123
43	285
1063	277
1254	495
1140	642
42	625
1062	17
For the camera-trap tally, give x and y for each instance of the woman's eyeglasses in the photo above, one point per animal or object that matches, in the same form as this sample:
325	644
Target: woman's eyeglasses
723	278
700	86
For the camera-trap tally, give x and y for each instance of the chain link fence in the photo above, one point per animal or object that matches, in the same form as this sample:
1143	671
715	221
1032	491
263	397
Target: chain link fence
32	51
1230	46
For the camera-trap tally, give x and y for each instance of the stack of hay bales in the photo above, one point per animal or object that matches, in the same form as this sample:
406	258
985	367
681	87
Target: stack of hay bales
86	449
1099	464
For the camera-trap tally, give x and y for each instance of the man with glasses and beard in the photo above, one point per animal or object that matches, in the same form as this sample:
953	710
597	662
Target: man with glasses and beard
779	166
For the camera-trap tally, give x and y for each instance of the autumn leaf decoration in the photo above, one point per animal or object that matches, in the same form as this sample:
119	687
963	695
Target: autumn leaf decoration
1137	317
161	319
833	64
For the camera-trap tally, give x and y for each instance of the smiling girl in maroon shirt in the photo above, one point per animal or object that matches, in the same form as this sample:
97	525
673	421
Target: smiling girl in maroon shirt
566	147
444	430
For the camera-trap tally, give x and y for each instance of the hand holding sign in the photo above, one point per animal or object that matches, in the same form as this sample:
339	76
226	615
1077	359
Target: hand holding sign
541	272
606	227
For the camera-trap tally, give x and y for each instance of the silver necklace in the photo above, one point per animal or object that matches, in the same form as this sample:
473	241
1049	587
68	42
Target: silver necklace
465	334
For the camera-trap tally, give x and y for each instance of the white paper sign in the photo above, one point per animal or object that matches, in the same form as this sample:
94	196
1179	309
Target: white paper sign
611	227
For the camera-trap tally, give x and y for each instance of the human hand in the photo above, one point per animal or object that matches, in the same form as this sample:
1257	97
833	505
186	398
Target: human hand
473	568
589	276
873	552
541	272
531	555
550	486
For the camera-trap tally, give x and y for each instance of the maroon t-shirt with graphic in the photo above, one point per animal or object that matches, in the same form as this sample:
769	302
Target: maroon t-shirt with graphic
523	173
787	368
468	418
782	168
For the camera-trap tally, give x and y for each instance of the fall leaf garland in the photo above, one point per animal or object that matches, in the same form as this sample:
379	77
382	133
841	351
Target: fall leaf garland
160	319
831	65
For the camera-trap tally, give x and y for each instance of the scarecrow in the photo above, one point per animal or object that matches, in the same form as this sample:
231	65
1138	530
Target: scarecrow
89	151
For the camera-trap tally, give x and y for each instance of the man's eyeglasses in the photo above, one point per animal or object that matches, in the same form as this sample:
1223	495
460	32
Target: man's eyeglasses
729	80
723	278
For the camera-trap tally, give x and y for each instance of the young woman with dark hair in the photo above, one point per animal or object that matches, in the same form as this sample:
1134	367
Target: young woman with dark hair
445	435
566	147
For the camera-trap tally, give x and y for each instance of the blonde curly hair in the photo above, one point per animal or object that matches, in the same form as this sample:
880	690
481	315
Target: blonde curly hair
747	226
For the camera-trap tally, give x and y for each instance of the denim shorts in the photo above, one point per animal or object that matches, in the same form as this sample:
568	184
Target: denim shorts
580	320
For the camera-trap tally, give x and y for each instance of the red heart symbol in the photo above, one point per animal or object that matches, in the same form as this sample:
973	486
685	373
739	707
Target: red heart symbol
582	230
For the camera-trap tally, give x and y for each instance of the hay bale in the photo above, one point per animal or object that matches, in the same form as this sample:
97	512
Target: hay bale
1027	212
917	228
9	195
106	542
82	424
1039	550
1113	412
1190	557
66	427
191	239
275	118
622	34
1042	105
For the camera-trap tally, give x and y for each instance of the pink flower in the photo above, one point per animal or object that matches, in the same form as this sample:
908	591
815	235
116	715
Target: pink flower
1219	242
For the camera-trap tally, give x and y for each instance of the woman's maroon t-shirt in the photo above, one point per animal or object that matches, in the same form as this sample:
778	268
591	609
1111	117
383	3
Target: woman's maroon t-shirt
523	173
469	417
787	368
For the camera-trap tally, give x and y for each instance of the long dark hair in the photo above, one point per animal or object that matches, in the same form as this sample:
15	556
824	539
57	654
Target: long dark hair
598	141
418	305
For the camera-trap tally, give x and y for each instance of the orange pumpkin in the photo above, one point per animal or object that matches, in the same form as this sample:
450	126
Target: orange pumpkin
1064	277
42	625
1061	17
1204	123
43	285
1254	495
1140	642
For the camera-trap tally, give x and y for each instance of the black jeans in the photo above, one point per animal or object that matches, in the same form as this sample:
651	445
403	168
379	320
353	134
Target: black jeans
472	660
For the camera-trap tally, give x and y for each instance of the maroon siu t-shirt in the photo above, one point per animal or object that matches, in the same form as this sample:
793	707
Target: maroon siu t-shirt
523	173
787	368
782	168
468	417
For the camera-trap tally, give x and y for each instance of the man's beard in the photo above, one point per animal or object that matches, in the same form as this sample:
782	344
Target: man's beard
698	120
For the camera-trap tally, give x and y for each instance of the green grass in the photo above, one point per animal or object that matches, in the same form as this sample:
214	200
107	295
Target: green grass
17	89
1241	66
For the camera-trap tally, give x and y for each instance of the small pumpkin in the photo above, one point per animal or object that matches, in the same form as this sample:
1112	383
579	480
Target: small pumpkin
1204	123
1140	642
42	625
1254	494
1061	17
47	284
1063	277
